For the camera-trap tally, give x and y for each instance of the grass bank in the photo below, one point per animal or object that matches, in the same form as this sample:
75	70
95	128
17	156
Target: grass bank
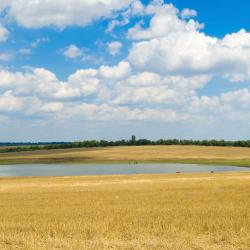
236	156
187	211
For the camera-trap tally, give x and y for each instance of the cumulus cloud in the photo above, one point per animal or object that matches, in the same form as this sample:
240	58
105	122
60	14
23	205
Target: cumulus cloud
37	82
120	71
85	81
151	88
193	53
9	103
61	13
169	61
136	8
103	90
163	22
95	95
114	47
171	45
105	112
72	52
147	95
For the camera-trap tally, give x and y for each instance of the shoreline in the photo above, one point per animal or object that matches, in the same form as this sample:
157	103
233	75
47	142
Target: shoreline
109	170
224	162
221	156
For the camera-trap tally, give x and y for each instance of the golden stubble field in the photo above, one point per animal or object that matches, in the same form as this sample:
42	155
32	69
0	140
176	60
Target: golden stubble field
177	211
188	154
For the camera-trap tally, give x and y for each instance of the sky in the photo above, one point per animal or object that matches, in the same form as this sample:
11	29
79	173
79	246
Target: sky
106	69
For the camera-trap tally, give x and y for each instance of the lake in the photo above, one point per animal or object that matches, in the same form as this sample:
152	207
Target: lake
109	169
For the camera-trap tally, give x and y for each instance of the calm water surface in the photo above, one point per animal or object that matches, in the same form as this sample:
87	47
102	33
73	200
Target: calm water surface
109	169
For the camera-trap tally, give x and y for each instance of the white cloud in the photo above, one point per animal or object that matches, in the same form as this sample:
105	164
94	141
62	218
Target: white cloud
38	41
145	79
4	34
95	95
187	13
199	104
52	107
147	95
115	23
169	61
72	52
164	22
171	45
85	81
120	71
6	56
151	88
36	82
81	54
4	4
114	48
28	50
238	97
25	51
61	13
106	112
9	103
136	8
113	85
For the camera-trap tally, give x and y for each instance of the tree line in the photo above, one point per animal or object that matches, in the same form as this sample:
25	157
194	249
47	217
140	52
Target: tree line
18	147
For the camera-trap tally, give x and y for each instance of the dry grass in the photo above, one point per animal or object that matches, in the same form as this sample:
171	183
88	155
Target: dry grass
186	211
192	154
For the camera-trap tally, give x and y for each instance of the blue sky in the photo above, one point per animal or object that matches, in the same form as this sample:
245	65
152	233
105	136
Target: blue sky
76	69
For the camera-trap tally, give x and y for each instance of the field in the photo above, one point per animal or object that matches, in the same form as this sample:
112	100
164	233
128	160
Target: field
179	211
187	154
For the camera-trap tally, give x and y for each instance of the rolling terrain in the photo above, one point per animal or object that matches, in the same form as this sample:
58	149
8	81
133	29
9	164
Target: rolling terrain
237	156
175	212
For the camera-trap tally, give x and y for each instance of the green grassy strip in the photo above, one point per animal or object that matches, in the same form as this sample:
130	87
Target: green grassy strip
133	142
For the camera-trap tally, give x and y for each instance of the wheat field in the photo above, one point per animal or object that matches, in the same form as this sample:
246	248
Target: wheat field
177	211
188	154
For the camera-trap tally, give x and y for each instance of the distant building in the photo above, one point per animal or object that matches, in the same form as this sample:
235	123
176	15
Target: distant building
133	138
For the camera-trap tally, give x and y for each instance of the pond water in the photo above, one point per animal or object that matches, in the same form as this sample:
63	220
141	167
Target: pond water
109	169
